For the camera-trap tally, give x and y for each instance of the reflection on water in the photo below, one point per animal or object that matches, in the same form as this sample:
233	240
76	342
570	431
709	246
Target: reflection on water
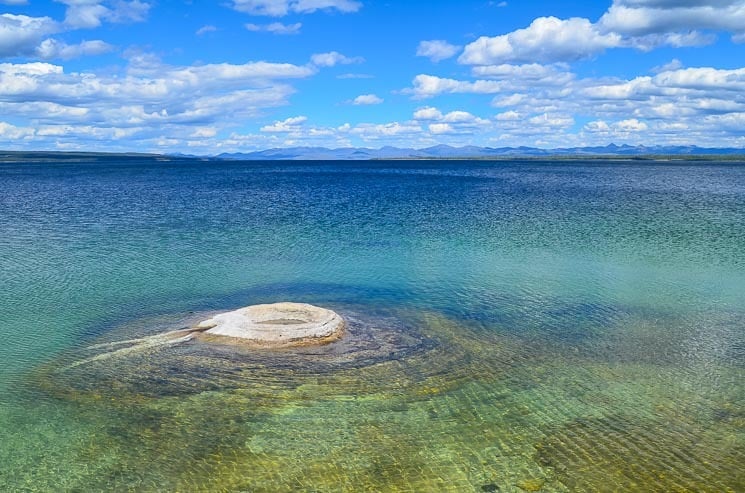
512	327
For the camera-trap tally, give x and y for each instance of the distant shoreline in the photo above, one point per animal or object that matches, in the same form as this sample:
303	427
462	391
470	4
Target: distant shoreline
8	157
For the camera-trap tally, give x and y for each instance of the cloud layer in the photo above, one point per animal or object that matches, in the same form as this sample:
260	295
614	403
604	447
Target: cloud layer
65	84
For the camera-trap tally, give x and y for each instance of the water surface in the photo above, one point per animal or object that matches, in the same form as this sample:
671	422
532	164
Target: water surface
572	326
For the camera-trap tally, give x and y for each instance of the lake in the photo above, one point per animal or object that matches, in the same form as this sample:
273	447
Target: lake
525	325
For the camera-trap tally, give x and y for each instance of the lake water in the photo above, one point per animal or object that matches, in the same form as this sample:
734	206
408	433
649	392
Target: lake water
528	326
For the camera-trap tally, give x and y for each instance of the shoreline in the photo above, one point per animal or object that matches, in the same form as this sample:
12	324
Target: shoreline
21	157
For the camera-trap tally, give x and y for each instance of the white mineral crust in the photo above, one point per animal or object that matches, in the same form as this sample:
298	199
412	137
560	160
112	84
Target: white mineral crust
277	324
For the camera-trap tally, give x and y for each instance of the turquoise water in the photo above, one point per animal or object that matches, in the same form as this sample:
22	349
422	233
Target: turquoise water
520	326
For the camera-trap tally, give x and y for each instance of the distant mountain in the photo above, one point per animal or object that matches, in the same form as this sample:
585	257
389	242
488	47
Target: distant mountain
363	153
448	152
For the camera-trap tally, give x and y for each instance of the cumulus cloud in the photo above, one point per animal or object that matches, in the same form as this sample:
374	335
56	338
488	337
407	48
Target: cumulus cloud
427	113
428	127
367	99
426	86
644	107
279	8
437	50
629	130
631	125
51	49
21	34
441	128
151	102
453	123
533	74
276	28
546	40
639	24
289	125
551	121
11	132
333	58
508	116
692	82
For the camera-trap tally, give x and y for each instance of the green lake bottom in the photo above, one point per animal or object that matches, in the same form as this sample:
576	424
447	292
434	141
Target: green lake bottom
409	401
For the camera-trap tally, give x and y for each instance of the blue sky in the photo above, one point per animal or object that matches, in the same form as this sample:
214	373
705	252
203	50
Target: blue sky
205	77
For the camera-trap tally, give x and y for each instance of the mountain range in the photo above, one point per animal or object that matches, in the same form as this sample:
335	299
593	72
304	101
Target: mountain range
473	152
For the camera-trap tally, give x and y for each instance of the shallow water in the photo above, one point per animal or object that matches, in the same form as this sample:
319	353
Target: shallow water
518	326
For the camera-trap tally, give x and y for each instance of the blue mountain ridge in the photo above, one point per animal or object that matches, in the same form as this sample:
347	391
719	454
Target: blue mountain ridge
448	152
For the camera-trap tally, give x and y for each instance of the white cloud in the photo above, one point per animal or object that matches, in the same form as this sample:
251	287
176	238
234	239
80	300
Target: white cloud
20	34
367	99
87	14
436	50
11	132
333	58
640	17
426	86
279	8
456	122
598	126
511	100
532	74
642	108
631	125
289	125
203	132
459	117
83	14
553	121
649	42
441	128
508	116
151	103
427	113
673	64
375	131
206	29
693	83
639	24
546	40
51	48
128	11
276	28
630	130
732	122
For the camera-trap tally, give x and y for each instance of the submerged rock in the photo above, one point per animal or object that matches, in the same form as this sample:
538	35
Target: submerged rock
276	325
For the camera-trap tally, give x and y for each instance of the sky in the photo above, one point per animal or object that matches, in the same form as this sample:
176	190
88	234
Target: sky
203	77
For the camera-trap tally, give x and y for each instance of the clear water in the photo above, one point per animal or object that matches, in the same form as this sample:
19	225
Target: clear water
554	326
